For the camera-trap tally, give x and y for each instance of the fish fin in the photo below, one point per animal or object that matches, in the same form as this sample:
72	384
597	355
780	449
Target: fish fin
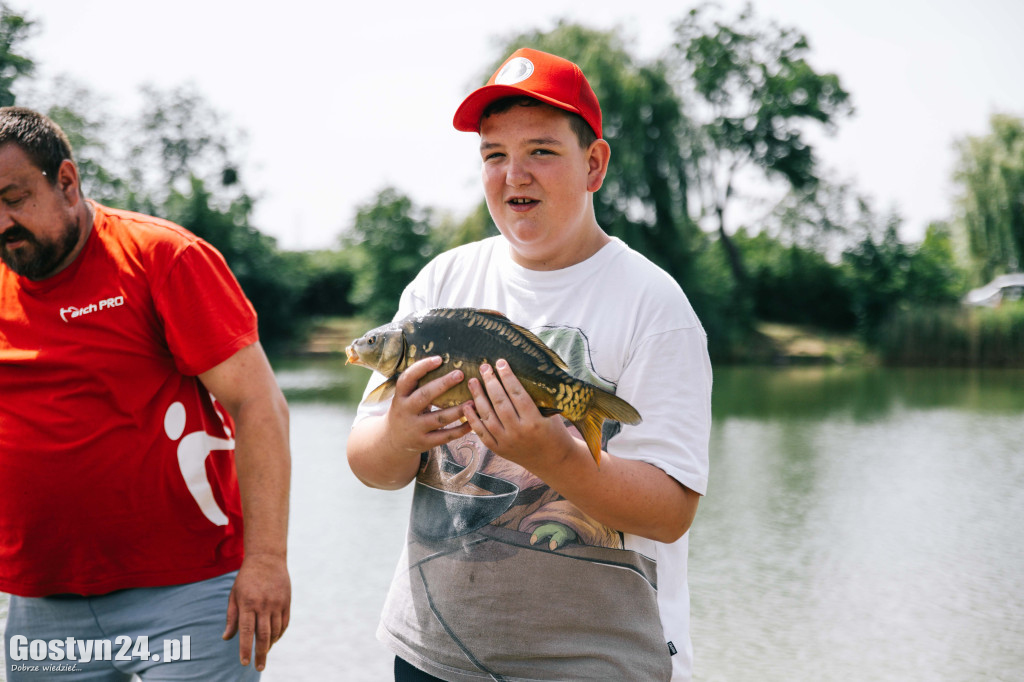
549	411
552	355
382	392
495	313
533	338
590	428
611	406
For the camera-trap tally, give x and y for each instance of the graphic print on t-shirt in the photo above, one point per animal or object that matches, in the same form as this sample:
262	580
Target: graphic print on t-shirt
193	449
463	486
481	525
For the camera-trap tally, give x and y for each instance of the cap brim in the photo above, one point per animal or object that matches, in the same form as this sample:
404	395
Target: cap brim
467	116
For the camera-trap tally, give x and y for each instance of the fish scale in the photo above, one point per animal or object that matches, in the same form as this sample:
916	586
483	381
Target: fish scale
465	339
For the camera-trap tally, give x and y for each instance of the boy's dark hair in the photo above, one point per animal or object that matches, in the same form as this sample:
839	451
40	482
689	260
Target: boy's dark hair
585	135
40	138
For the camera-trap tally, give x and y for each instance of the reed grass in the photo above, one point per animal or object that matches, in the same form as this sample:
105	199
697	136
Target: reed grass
955	337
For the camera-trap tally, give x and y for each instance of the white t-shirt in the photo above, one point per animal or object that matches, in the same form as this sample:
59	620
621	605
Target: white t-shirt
584	610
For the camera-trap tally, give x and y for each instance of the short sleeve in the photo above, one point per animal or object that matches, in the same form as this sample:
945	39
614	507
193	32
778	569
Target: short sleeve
206	316
668	380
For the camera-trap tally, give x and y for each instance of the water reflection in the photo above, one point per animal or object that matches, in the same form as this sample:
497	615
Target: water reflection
861	525
321	380
863	394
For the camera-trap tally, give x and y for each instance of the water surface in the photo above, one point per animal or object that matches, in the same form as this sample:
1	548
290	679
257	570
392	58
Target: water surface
860	524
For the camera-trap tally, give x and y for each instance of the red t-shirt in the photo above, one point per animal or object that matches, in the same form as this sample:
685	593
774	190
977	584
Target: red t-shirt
116	465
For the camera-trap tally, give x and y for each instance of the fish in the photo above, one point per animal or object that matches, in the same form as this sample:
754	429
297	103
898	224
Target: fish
465	339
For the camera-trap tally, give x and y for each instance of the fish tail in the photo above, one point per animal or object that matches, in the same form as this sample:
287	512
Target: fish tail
603	406
590	428
611	406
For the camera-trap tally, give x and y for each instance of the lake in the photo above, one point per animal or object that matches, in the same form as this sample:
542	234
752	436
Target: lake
861	524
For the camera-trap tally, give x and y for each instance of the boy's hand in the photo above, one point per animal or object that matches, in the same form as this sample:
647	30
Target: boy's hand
412	426
508	422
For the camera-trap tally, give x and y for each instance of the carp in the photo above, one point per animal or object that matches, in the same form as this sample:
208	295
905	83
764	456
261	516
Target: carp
465	339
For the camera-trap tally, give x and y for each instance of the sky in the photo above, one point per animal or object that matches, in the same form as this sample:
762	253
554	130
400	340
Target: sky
340	100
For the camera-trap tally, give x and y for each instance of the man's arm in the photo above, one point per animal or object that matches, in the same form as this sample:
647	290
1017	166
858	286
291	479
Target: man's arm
260	601
628	495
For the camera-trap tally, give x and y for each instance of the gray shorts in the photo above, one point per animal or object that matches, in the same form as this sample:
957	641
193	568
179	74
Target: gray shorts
161	634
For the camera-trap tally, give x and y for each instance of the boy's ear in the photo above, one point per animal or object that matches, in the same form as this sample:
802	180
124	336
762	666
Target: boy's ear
598	155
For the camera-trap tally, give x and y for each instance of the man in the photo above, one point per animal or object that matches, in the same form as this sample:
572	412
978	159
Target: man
132	389
583	574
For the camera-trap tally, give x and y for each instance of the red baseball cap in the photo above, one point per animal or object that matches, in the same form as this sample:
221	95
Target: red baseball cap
539	75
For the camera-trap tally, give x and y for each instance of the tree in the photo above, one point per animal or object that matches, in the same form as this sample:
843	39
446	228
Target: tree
934	277
177	137
877	275
886	275
794	284
392	236
14	30
990	172
752	91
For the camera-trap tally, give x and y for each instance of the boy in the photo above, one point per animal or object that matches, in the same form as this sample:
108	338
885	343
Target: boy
581	574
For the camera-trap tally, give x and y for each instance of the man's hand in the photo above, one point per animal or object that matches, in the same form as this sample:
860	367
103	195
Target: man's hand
259	606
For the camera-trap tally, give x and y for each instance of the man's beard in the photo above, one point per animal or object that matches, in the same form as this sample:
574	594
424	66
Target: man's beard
35	259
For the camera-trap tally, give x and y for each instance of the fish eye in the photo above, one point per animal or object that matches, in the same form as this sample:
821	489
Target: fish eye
372	340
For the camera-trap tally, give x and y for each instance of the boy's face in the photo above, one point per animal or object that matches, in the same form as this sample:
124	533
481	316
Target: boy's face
537	182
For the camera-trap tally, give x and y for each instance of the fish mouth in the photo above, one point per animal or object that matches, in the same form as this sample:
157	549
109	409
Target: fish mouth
351	356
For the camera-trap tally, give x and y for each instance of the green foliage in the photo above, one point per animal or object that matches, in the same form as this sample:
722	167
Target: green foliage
393	238
178	136
329	278
990	172
933	277
724	313
645	199
795	285
877	269
14	30
827	218
886	275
